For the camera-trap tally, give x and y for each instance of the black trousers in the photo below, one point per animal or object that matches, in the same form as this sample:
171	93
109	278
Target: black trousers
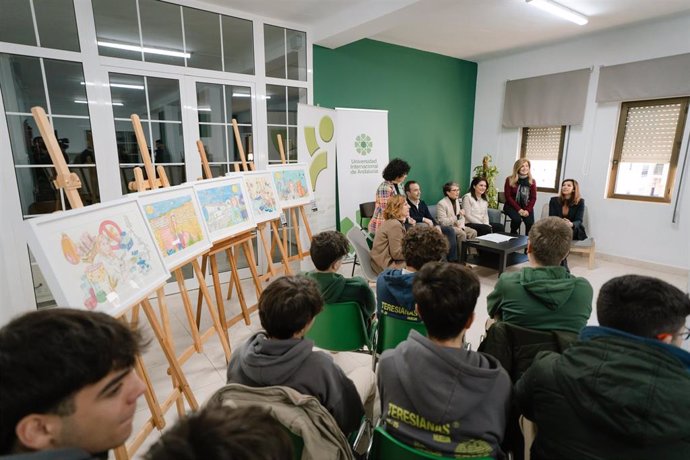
516	219
483	229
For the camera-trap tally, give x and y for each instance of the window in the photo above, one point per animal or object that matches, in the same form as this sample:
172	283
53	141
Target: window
286	53
165	33
217	105
646	150
45	23
281	107
63	97
543	147
157	102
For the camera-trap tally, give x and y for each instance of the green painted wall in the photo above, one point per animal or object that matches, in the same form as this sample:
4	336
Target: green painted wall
429	98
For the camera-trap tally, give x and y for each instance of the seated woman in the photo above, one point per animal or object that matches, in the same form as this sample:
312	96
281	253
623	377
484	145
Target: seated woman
476	208
387	249
521	194
570	207
394	174
449	212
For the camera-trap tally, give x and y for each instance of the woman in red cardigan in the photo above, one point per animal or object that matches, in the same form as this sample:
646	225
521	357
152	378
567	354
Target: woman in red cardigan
521	194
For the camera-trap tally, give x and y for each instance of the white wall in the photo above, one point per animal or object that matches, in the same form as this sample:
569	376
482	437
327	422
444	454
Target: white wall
637	230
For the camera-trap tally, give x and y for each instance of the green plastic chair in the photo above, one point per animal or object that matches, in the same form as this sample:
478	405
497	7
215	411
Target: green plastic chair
386	447
389	331
340	327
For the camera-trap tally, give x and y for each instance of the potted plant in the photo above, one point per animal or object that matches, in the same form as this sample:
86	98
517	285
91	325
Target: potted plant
489	172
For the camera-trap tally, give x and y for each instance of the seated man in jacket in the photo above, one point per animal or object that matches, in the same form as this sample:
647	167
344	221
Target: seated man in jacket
420	213
394	286
327	252
543	296
67	381
622	390
437	395
280	355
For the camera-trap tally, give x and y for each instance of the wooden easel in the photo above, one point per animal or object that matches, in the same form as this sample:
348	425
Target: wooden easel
293	217
139	184
242	241
70	183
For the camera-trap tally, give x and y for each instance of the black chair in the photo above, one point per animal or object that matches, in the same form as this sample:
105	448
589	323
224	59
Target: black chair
366	211
502	201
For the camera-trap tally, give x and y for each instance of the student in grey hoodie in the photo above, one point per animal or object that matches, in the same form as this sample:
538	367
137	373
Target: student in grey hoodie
436	395
280	355
394	286
543	296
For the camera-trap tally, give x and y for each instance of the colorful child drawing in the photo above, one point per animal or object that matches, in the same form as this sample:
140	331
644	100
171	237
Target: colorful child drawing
261	194
291	184
223	207
113	259
174	224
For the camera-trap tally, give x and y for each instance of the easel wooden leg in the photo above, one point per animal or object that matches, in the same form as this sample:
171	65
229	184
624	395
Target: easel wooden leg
307	227
179	276
214	316
149	394
267	250
249	255
295	225
202	280
240	292
286	263
176	371
219	296
229	255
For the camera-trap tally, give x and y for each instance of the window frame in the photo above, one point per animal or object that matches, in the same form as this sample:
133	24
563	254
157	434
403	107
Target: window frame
559	161
675	154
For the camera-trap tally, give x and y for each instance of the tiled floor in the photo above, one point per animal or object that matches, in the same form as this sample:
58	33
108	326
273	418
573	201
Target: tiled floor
206	371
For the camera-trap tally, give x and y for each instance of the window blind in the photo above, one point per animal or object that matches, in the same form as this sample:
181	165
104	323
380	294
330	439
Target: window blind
651	79
548	100
650	133
542	143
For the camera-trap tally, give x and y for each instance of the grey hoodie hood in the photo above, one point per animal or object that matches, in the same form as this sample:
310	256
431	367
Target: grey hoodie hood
273	362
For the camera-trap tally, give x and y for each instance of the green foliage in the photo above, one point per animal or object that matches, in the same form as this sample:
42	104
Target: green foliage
489	172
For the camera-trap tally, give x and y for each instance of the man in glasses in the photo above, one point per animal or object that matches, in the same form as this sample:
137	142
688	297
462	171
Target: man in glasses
622	390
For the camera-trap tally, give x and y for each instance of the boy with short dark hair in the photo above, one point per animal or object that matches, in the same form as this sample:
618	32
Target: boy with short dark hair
436	395
327	252
218	432
280	355
67	381
394	285
621	391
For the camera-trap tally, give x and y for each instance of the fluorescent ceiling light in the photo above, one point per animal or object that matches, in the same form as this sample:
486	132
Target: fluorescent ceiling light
203	109
241	95
145	49
119	85
81	101
560	11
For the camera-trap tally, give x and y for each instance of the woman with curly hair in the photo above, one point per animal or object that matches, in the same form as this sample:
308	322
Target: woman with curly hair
394	174
387	249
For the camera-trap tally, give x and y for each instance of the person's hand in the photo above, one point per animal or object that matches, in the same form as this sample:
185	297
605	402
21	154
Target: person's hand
523	213
438	228
411	221
570	224
462	212
427	221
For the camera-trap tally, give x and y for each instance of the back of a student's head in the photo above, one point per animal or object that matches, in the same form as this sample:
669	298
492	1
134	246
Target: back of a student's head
326	248
642	305
288	304
219	432
422	244
446	295
550	240
48	356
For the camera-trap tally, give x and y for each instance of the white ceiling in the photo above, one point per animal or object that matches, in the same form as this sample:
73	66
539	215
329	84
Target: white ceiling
468	29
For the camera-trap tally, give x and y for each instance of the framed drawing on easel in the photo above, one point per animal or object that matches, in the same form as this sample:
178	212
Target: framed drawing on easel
225	206
176	223
101	257
263	196
292	184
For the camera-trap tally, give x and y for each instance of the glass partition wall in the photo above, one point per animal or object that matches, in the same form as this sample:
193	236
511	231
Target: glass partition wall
185	71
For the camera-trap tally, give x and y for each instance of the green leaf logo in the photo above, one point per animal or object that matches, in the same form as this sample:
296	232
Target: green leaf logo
363	144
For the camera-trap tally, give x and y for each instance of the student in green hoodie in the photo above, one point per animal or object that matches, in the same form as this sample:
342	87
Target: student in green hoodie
327	252
543	296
